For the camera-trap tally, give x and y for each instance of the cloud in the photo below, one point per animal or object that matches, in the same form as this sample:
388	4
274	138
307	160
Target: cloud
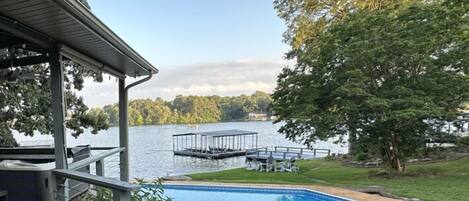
228	78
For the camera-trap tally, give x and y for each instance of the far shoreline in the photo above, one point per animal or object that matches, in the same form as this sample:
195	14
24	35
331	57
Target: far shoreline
241	121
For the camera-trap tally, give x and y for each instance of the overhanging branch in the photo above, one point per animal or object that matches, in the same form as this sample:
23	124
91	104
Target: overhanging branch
25	61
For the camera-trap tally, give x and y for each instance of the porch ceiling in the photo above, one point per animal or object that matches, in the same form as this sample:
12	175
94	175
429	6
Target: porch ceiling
82	36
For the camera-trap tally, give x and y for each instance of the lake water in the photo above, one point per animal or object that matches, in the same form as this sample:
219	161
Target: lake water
151	153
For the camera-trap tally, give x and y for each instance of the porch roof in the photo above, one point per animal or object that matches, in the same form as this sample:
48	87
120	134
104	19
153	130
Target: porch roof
81	36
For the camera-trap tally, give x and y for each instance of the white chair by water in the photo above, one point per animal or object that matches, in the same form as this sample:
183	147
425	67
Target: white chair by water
268	165
251	164
280	166
291	166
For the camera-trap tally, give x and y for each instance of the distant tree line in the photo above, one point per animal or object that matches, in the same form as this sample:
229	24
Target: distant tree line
190	109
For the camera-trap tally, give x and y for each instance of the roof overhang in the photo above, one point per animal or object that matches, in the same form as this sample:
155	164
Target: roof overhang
79	35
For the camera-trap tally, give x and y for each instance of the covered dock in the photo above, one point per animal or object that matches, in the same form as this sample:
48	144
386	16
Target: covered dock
215	144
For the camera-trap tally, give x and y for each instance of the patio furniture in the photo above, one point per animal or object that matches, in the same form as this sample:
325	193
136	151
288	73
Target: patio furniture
251	164
280	166
268	165
291	166
262	167
294	167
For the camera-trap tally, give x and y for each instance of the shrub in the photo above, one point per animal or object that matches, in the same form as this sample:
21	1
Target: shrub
150	191
360	157
329	158
463	141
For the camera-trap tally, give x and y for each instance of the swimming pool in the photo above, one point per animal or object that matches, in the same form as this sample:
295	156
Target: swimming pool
225	193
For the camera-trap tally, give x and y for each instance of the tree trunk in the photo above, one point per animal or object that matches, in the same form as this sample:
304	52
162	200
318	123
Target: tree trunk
392	156
352	145
397	165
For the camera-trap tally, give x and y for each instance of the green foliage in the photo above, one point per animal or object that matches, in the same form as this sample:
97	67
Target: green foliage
102	194
113	113
360	156
25	103
384	76
6	137
135	118
238	107
465	106
196	109
192	109
95	116
150	191
464	141
329	158
307	19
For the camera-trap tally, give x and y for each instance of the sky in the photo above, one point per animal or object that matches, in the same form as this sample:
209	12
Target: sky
204	47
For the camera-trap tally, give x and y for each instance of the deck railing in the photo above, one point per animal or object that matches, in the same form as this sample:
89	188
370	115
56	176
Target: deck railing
284	152
302	150
121	189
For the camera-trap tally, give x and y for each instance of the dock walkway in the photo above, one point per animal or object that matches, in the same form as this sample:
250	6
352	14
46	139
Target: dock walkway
286	153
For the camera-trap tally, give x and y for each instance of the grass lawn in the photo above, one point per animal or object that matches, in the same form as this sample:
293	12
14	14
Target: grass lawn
437	181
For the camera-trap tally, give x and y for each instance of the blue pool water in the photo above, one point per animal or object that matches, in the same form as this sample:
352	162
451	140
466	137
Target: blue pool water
221	193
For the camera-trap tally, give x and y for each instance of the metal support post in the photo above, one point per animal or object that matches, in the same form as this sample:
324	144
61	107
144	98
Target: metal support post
257	139
123	132
124	126
100	167
58	118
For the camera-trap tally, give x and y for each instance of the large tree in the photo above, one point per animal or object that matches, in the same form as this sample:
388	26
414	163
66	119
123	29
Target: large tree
382	76
307	19
25	99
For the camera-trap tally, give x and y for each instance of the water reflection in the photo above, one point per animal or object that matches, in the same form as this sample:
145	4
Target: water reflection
287	198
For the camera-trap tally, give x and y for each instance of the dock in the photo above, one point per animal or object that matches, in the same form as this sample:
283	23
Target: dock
280	153
215	144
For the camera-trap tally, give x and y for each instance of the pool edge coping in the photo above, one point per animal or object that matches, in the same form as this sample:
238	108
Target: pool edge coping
257	187
330	190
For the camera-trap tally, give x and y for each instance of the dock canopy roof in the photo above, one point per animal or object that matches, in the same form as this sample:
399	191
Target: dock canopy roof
81	36
221	133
